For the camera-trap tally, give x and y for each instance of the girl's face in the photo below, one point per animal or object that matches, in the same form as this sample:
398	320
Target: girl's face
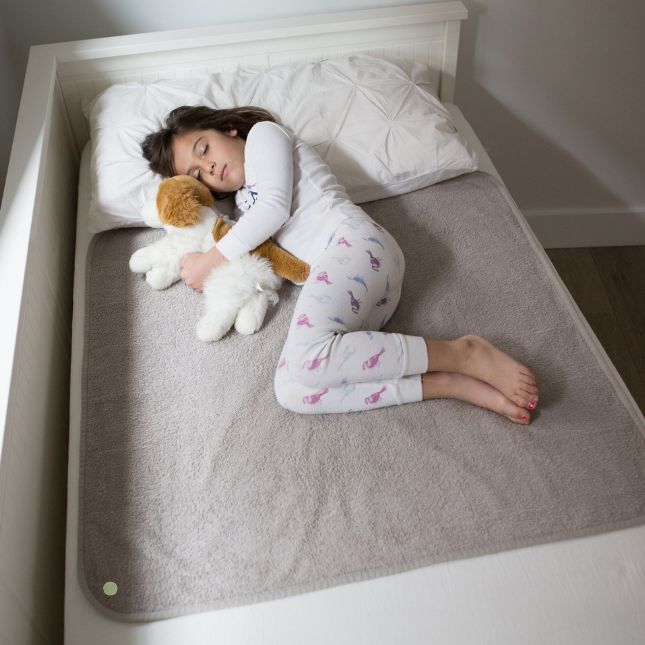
214	158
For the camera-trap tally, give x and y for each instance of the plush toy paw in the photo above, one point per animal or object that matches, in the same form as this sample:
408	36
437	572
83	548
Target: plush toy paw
211	328
251	315
161	277
160	273
140	261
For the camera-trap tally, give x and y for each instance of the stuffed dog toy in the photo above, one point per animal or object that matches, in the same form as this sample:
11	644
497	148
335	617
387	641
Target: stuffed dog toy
237	292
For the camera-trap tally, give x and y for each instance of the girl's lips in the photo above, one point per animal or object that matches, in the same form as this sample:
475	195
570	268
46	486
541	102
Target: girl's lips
224	173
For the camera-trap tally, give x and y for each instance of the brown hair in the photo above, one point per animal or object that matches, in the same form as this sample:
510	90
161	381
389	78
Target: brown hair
157	147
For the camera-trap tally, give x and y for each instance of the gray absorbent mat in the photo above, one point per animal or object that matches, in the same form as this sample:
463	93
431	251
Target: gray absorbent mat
199	491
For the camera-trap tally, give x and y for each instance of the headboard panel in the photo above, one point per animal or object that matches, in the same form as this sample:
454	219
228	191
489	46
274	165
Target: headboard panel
427	33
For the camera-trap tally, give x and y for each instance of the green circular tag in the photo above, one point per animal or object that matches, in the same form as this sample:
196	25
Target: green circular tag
109	588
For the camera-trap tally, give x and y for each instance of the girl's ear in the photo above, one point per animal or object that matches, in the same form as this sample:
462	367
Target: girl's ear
232	133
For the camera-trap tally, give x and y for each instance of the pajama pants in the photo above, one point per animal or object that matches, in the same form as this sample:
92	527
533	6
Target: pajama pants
335	358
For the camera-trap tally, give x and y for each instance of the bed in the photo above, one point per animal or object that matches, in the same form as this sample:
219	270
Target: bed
584	590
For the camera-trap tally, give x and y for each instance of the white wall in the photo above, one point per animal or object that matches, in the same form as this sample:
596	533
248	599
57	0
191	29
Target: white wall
554	89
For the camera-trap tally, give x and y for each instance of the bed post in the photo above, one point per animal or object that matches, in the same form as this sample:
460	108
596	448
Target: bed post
449	66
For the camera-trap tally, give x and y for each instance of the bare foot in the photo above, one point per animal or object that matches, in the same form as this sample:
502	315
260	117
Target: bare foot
491	365
450	385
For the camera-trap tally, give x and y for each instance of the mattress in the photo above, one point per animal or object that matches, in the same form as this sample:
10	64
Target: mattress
584	590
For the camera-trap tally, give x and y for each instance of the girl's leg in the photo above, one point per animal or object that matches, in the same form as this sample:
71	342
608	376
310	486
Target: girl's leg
335	359
435	385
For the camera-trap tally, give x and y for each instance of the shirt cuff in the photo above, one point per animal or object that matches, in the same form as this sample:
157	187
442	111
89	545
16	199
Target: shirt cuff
231	247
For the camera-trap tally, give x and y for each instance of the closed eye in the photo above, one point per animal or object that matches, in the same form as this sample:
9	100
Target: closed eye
199	172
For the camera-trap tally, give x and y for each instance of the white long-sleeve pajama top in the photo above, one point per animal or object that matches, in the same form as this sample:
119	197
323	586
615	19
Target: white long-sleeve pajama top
290	195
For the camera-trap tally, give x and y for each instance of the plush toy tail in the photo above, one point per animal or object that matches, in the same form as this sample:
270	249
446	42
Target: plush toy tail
284	264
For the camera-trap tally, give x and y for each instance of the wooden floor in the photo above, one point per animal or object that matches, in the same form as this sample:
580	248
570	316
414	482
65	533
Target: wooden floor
608	284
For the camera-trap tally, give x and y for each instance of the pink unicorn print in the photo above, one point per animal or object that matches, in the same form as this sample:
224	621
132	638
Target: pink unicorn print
323	277
315	398
283	362
376	262
356	304
303	320
373	360
376	397
342	240
382	302
378	228
314	364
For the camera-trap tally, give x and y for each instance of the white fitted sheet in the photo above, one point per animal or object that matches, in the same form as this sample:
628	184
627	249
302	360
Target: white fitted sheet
587	591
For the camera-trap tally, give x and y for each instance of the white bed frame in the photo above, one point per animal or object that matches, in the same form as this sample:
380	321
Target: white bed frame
37	237
37	248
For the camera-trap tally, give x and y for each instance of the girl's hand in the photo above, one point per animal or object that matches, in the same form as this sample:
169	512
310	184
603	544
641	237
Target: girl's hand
196	267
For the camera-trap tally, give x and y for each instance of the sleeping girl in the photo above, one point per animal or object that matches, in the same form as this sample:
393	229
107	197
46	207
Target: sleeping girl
335	358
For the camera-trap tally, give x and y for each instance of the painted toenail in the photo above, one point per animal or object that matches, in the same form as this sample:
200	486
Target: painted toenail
533	383
523	418
531	406
536	391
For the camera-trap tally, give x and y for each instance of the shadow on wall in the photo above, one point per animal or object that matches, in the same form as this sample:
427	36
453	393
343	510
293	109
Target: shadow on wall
10	81
523	156
538	172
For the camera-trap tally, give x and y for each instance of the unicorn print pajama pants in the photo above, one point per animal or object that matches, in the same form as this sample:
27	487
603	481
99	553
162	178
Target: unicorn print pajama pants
335	359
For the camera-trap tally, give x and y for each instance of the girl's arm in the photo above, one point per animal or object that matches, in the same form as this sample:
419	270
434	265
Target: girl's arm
268	152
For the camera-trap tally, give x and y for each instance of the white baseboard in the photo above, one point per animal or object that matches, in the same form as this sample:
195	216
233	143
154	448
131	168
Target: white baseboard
588	227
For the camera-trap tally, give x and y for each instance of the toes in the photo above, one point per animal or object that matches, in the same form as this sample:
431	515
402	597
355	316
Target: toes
519	415
524	420
531	398
526	396
520	399
524	400
530	403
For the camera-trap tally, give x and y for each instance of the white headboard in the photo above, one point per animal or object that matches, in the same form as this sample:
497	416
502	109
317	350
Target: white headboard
428	33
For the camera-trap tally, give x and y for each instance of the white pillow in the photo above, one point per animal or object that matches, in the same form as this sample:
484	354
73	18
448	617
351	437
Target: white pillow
377	123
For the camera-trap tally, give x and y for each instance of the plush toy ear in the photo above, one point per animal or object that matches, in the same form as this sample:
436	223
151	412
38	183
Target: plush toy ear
179	200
